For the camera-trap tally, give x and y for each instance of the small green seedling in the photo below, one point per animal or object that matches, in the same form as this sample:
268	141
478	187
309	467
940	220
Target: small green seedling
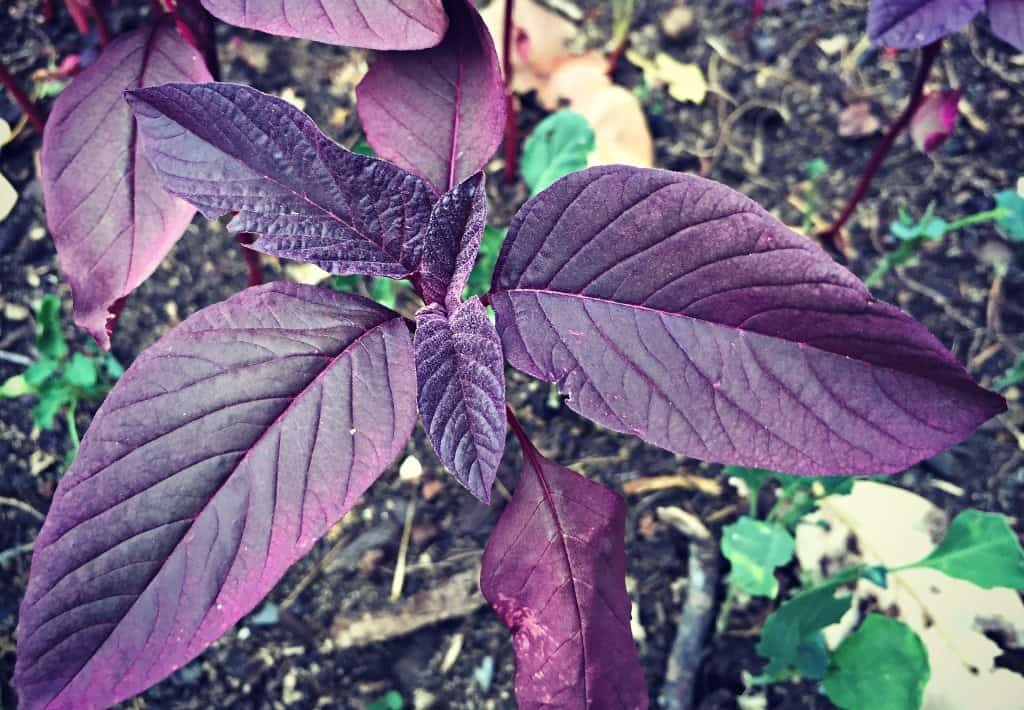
978	547
58	378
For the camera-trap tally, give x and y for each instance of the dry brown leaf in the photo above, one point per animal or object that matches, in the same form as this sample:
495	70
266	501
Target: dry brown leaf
892	526
857	120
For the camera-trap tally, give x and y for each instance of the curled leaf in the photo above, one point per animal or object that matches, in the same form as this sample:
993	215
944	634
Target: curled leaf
457	224
933	121
554	570
223	453
111	221
440	112
675	309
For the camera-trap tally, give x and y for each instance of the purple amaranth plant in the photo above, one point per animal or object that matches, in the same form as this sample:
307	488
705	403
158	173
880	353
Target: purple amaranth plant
662	305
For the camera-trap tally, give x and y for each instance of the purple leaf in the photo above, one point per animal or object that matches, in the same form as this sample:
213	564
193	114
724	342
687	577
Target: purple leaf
1006	18
229	148
678	310
555	571
374	24
905	24
111	221
934	120
216	462
452	242
439	113
461	379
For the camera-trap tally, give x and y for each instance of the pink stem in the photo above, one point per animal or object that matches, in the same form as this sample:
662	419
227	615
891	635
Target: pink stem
511	139
928	57
26	105
252	259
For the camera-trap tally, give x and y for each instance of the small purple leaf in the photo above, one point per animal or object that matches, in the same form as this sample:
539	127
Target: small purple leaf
461	377
555	571
229	148
111	221
934	120
1006	18
373	24
216	462
439	113
673	308
906	24
453	239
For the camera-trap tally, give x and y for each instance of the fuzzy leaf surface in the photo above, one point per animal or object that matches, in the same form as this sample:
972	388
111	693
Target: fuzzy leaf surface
675	309
440	112
373	24
111	221
453	240
554	570
461	378
223	453
906	24
228	148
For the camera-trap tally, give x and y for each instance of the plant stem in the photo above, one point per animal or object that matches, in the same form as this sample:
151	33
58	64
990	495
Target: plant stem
26	105
511	138
986	216
924	68
252	259
73	428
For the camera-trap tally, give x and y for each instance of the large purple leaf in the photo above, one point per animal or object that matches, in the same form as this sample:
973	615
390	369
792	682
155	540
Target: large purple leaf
905	24
374	24
461	377
453	240
216	462
678	310
111	221
555	571
229	148
439	113
1006	17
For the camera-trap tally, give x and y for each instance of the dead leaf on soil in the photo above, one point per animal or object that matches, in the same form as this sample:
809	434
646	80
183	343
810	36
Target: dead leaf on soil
684	82
8	197
857	120
892	526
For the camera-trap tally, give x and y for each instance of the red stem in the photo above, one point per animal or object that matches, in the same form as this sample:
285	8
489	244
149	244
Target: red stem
102	28
928	56
517	429
511	139
252	259
79	15
47	10
26	104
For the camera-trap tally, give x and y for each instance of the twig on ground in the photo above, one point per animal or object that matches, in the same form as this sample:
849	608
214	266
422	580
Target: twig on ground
22	506
403	551
685	481
12	552
15	358
687	649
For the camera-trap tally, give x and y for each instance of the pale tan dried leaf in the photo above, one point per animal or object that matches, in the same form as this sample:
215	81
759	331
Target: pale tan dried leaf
857	120
8	197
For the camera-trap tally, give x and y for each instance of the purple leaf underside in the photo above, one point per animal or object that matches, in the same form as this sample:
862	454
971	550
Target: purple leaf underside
461	380
906	24
1006	18
228	148
112	222
673	308
453	240
373	24
554	570
225	451
440	112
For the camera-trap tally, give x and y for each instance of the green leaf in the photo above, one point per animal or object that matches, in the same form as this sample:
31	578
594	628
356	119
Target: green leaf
754	478
883	666
81	372
754	549
39	372
816	168
51	399
348	284
363	148
49	338
112	368
1013	376
382	291
558	146
1012	223
979	548
796	623
391	700
16	386
622	18
490	246
812	657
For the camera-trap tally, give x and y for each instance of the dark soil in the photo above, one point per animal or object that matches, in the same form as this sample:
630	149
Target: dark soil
773	107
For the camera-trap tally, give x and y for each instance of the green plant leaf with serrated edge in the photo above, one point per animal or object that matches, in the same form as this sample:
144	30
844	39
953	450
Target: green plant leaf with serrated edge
754	549
796	623
49	338
882	666
979	548
559	145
